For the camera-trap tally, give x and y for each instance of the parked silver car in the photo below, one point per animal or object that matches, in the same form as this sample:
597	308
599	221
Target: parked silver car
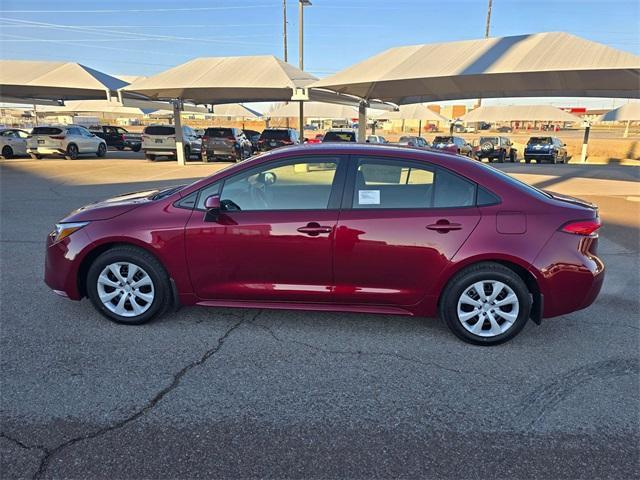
67	140
160	141
13	142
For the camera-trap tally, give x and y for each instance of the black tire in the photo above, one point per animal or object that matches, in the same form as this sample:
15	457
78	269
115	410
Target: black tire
102	150
136	148
512	156
7	152
467	277
35	156
72	152
150	157
527	160
187	153
501	156
146	261
120	148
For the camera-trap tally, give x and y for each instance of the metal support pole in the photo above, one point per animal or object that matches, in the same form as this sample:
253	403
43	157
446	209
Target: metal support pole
419	128
362	122
585	142
626	129
177	121
35	115
301	120
284	29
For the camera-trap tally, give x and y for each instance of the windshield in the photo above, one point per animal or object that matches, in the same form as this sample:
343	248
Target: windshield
443	140
275	134
488	139
340	137
218	132
46	131
159	130
540	140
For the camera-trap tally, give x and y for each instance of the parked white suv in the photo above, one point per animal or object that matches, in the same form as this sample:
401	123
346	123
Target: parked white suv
160	141
13	142
67	140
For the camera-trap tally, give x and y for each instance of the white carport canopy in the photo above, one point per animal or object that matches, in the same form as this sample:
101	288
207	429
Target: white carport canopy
215	80
629	112
314	110
235	110
416	111
31	81
536	65
128	106
523	113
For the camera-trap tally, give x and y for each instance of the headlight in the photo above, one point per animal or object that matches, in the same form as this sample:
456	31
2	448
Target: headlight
63	230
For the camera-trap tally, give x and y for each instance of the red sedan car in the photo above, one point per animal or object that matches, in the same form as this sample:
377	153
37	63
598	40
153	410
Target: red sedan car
340	227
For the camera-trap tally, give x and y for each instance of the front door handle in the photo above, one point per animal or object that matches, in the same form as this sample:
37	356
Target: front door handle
444	226
313	229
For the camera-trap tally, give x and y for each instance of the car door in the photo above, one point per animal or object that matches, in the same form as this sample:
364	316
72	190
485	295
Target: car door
402	222
273	239
21	142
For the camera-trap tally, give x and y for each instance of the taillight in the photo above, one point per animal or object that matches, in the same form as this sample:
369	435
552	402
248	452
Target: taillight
287	142
231	138
205	139
582	227
57	137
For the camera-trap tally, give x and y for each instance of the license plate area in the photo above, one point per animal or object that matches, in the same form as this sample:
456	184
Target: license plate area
40	142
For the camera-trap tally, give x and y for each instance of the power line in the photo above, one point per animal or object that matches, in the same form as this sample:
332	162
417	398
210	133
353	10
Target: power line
141	10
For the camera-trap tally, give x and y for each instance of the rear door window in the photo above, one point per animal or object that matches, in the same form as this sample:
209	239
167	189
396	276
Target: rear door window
340	137
398	184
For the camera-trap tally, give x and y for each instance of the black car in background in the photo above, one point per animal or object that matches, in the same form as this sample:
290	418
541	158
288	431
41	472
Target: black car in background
545	149
253	136
272	138
225	142
117	137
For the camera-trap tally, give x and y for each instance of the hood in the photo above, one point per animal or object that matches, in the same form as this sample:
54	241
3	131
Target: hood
111	207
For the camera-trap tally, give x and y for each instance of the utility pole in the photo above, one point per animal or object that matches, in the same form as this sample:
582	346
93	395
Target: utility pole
284	28
301	5
487	30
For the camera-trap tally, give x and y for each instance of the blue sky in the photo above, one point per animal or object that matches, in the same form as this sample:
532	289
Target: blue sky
143	37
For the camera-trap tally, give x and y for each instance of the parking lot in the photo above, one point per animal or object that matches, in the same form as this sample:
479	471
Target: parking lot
287	394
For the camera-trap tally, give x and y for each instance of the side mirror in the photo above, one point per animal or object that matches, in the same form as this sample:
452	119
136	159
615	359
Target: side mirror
212	205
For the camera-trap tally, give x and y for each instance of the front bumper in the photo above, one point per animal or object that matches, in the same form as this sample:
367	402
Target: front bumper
62	264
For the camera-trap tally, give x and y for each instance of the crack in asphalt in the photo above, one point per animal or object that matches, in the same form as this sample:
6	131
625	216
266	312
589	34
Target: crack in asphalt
21	444
150	405
546	397
376	354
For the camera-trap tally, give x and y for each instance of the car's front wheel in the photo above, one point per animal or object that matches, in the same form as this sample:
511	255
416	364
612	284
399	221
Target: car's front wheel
7	152
102	150
486	304
128	285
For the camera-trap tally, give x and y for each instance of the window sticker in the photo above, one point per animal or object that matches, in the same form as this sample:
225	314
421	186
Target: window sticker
369	197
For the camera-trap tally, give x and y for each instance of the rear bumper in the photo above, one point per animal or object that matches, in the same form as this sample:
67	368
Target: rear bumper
46	150
569	282
219	151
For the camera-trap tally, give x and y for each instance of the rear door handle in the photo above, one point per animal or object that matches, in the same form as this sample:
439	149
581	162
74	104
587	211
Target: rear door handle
313	229
444	226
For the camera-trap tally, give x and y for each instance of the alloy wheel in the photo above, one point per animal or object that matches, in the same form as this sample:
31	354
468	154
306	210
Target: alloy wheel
488	308
125	289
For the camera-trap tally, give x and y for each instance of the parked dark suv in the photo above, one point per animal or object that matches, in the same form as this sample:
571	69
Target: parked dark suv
496	148
549	149
225	142
253	136
277	137
117	137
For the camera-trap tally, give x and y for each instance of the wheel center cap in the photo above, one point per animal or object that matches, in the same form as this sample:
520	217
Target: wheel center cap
485	307
127	288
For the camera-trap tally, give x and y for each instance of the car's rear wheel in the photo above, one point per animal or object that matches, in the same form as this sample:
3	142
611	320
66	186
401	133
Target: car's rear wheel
512	156
136	148
128	285
102	150
527	160
486	304
501	156
7	152
35	156
187	153
72	152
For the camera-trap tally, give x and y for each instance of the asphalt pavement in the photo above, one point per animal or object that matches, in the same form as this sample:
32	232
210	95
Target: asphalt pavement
224	393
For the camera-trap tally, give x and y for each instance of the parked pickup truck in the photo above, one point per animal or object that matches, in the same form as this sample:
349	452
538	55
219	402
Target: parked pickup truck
117	137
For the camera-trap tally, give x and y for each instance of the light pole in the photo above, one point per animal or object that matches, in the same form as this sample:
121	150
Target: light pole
301	5
284	28
487	30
